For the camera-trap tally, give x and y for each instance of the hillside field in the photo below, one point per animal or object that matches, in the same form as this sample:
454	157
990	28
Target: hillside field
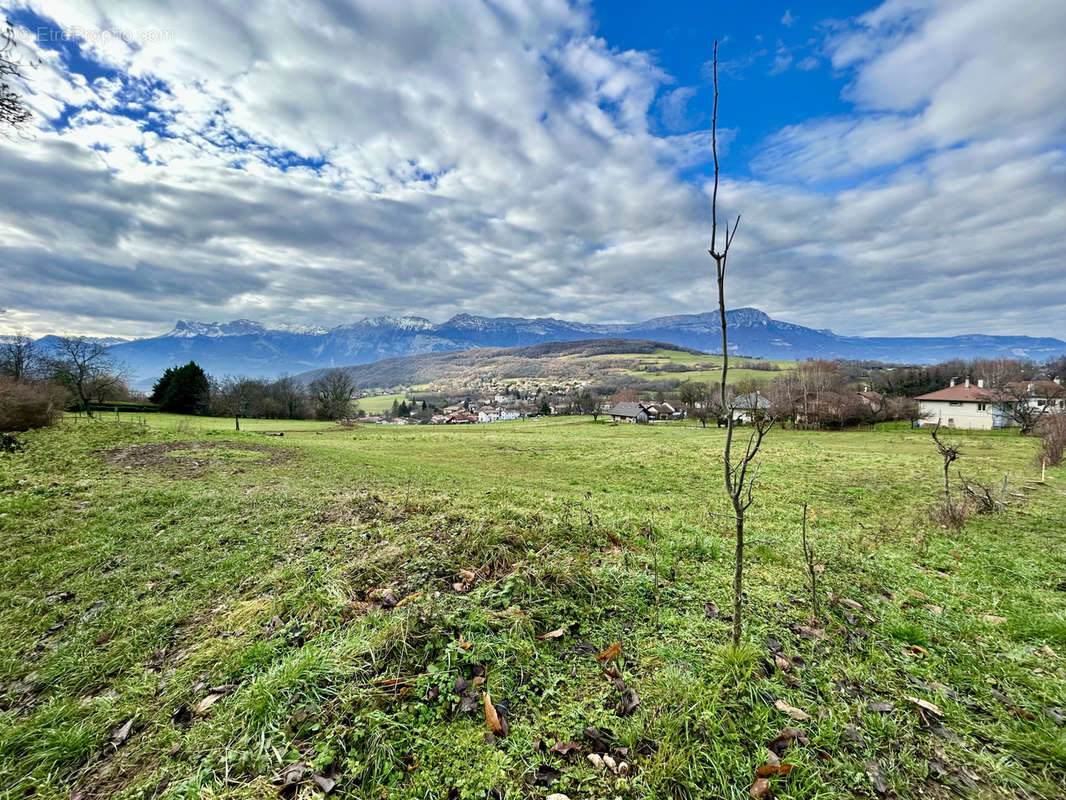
186	612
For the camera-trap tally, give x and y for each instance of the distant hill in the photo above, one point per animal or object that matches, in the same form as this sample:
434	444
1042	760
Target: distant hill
583	360
244	347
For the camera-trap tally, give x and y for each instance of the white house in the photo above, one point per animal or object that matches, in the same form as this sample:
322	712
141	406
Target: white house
962	405
973	405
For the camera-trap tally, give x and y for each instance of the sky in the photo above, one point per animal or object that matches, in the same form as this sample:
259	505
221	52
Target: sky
899	166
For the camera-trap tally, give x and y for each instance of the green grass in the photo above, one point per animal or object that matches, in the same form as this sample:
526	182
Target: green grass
380	403
127	593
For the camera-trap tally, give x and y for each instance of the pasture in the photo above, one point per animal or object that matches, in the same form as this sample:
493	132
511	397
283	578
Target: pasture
187	611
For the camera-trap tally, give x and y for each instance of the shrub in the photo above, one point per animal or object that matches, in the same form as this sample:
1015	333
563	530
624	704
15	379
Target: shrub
25	405
1053	431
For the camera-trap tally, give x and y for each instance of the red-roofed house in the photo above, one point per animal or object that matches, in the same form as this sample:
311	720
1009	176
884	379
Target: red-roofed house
962	405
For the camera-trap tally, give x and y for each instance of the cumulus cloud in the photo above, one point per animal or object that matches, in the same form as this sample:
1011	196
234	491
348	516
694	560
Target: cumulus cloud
322	162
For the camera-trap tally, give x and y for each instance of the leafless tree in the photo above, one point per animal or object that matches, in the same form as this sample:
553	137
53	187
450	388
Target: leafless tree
1025	404
949	453
19	359
14	112
739	473
333	393
590	402
85	368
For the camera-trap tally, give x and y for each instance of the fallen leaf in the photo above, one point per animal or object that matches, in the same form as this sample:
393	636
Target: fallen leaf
121	733
769	770
496	724
555	634
464	644
324	783
409	599
781	662
628	702
916	650
761	788
564	748
796	713
773	645
613	651
881	707
292	774
207	702
784	740
919	595
851	604
992	619
934	609
544	775
598	738
710	610
925	705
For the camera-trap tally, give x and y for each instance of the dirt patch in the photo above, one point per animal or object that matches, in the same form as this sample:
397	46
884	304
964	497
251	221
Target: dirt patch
193	459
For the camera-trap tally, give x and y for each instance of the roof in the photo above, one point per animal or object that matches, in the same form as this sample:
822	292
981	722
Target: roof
626	410
961	393
750	401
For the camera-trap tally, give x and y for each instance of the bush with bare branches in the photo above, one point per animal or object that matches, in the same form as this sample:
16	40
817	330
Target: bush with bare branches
1052	430
26	405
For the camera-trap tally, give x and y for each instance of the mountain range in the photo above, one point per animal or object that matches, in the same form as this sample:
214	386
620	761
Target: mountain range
245	347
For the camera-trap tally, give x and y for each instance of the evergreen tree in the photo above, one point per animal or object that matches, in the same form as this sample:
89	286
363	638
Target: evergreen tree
545	409
182	390
403	410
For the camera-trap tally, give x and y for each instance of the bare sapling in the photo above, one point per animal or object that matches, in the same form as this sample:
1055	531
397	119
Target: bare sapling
739	473
812	570
949	453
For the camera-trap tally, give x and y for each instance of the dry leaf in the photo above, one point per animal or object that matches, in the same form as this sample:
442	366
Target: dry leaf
564	748
851	604
925	704
934	609
121	733
492	717
916	650
781	742
781	662
463	643
919	595
768	770
555	634
796	713
207	702
761	788
613	651
993	619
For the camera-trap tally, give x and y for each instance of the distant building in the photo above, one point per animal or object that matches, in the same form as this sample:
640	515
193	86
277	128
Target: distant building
748	407
628	412
975	406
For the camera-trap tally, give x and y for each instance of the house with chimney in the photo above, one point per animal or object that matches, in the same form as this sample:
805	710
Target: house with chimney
962	405
973	405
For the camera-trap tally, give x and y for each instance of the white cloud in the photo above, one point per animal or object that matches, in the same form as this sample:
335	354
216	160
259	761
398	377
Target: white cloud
788	19
501	159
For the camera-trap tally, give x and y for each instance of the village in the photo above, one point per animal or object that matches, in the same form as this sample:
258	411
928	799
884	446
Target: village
965	404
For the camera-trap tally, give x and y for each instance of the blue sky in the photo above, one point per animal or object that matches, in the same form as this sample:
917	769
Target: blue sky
900	165
773	72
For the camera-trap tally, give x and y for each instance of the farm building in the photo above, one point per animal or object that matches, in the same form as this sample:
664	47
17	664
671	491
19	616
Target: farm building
628	412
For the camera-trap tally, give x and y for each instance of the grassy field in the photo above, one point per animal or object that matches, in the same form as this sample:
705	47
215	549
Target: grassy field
186	611
663	363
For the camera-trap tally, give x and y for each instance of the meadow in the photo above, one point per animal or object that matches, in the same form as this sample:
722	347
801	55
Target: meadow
187	611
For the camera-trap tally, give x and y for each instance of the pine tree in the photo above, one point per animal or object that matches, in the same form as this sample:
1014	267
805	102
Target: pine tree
182	390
